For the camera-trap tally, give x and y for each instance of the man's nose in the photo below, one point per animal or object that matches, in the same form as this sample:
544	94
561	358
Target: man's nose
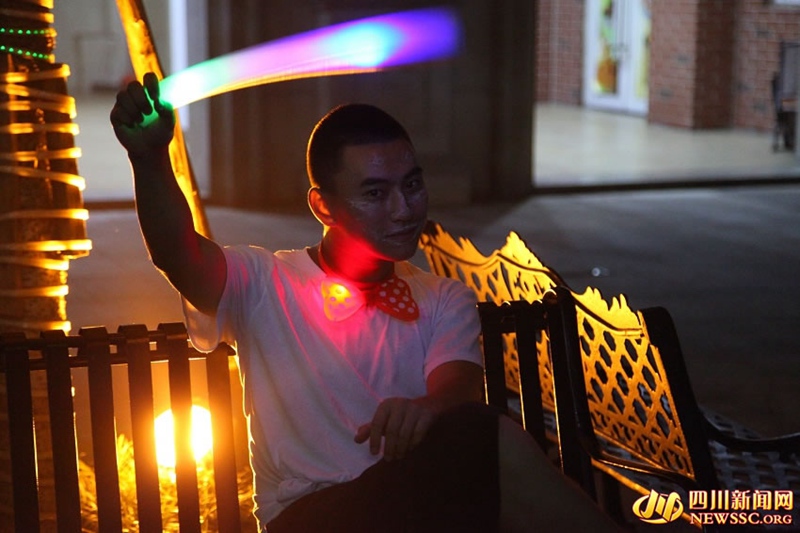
399	205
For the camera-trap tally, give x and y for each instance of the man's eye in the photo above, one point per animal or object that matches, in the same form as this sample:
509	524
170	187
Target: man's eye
373	193
414	184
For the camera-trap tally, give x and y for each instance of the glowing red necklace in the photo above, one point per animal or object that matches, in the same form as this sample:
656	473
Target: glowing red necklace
340	300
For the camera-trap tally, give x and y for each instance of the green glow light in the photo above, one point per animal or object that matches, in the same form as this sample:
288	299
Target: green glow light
18	31
22	52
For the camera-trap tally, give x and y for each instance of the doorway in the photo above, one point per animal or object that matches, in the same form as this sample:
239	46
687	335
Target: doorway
617	54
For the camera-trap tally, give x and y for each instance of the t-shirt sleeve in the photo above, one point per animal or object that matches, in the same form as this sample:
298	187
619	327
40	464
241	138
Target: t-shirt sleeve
202	328
244	266
456	328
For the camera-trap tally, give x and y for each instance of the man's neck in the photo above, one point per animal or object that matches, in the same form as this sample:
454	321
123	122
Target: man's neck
350	265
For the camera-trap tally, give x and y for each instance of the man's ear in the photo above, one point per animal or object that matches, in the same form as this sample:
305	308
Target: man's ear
320	207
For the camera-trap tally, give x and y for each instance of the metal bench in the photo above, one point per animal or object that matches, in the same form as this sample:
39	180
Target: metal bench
638	421
509	273
526	323
134	347
616	383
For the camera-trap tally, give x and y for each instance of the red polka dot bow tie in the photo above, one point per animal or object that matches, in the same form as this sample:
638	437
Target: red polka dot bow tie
393	297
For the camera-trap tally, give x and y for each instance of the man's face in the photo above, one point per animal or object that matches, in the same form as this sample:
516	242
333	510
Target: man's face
381	204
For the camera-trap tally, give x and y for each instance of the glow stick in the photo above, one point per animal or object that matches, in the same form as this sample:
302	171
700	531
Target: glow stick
365	45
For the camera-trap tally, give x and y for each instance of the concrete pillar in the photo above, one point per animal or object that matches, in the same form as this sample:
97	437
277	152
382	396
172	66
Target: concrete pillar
691	68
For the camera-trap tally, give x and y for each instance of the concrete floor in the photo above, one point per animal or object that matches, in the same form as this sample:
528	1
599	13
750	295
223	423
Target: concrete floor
577	146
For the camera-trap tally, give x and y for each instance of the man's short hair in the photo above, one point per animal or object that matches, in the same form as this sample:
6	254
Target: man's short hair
346	125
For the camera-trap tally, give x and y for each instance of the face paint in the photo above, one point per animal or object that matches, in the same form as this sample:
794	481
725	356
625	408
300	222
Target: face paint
376	160
381	202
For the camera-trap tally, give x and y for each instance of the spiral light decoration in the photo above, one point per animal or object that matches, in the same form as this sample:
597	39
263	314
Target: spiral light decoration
42	220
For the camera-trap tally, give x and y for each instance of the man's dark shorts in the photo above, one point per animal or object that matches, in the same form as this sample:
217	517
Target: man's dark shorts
450	482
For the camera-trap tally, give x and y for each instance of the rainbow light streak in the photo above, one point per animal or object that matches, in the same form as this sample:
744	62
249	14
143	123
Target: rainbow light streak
364	45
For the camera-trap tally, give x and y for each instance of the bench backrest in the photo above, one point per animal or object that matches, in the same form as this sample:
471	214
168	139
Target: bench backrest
525	322
509	273
631	402
134	347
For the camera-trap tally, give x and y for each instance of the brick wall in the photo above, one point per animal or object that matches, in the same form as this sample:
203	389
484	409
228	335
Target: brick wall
673	47
759	30
713	70
559	38
544	24
691	63
711	60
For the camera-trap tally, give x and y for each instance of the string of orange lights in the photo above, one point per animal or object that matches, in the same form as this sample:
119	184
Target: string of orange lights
26	104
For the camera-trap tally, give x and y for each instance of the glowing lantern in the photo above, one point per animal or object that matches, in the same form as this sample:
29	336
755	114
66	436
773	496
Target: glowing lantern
165	436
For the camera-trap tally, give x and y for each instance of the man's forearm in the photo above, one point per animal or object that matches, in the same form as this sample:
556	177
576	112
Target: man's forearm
193	264
452	384
164	214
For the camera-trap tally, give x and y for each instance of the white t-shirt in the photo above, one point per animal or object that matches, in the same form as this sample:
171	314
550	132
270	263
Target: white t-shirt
310	382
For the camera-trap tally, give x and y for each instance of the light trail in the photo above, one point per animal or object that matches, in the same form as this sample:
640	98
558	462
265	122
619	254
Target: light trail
361	46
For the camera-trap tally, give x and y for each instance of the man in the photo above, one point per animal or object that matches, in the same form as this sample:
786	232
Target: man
362	374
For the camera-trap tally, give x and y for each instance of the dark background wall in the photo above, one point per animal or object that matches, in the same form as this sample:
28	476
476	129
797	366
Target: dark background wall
471	117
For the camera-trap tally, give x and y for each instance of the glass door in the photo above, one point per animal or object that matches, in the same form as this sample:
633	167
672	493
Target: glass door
616	55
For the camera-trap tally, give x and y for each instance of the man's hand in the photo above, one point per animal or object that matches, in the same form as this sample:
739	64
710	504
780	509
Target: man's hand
142	121
401	423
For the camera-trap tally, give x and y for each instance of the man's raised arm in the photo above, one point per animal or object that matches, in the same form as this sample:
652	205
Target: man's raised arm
193	264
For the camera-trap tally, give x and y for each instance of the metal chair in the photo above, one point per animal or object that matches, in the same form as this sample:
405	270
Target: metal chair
134	347
785	84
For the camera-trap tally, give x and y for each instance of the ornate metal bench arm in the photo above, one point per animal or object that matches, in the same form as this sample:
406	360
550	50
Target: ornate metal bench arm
785	445
682	481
